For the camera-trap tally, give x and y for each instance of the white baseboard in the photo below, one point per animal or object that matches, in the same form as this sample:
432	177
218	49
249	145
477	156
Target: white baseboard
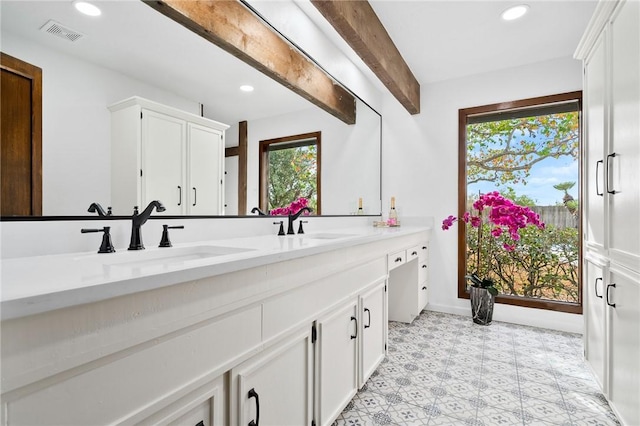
552	320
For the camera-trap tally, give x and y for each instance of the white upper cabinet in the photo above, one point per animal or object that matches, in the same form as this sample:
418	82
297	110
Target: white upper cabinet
168	155
623	157
594	132
611	52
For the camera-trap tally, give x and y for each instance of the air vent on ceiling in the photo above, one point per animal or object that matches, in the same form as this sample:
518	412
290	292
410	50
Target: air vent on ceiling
57	29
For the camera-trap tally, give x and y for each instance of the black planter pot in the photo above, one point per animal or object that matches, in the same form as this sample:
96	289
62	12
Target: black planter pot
481	305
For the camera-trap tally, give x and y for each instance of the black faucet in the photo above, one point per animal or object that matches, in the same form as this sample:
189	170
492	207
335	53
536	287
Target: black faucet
97	208
257	210
293	217
140	219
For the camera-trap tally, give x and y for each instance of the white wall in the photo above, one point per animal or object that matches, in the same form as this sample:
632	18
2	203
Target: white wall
420	155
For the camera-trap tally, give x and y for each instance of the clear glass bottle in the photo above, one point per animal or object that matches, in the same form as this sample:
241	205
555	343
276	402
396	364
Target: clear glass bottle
360	211
393	214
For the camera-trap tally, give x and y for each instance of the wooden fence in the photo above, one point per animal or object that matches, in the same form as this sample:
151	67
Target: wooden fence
558	216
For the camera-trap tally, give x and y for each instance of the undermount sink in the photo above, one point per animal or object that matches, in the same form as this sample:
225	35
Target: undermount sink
325	236
160	256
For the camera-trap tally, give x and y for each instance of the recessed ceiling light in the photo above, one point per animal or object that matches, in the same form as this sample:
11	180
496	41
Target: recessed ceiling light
87	8
515	12
246	88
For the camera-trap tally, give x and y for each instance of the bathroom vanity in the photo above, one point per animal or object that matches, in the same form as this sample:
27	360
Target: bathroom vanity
284	329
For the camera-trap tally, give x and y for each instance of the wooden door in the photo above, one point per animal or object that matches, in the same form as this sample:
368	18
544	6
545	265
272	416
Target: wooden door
21	134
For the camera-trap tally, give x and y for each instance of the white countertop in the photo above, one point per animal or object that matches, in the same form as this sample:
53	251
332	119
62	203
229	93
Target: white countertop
32	285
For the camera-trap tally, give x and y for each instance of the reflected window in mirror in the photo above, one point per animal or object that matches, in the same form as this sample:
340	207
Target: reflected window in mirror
290	170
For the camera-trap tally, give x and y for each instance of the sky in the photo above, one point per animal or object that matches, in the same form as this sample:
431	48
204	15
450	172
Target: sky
540	183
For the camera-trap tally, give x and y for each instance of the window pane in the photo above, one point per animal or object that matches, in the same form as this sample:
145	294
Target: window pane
533	160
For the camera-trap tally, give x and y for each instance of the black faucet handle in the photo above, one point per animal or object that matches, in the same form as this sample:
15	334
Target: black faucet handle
281	223
135	210
300	230
106	246
164	241
109	212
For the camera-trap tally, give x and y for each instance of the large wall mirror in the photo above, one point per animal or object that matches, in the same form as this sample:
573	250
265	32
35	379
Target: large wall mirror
90	63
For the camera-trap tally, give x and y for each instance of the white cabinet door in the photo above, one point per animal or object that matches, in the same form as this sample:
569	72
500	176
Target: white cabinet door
373	331
275	387
594	314
336	362
163	148
595	134
623	297
623	169
205	167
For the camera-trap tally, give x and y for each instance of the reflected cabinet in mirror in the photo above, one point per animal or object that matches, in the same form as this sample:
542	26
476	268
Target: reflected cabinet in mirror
92	64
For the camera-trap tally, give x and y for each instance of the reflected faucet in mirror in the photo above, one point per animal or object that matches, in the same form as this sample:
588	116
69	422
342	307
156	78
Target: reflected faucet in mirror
257	210
139	219
97	208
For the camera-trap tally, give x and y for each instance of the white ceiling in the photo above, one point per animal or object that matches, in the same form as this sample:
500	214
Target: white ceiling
442	40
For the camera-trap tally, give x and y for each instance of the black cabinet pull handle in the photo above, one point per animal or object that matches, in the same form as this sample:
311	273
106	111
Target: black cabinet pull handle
424	247
613	305
179	195
424	288
356	320
610	191
398	259
253	394
195	196
415	253
596	287
369	313
424	266
597	167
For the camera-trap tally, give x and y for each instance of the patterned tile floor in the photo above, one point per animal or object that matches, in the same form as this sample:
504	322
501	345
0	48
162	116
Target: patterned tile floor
444	370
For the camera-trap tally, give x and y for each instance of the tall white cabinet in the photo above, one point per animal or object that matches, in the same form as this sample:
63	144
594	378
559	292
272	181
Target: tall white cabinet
162	153
610	50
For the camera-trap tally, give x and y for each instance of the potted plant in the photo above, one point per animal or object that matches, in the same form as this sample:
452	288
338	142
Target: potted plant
504	219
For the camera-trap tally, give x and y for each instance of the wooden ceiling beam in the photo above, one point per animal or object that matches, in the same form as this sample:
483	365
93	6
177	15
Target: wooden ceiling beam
233	27
360	27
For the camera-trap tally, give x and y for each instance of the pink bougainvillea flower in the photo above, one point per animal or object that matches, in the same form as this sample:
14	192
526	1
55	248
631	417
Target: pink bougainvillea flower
475	221
508	247
496	232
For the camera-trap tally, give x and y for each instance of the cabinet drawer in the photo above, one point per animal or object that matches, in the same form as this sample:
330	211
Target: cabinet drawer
413	252
396	259
423	252
423	273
